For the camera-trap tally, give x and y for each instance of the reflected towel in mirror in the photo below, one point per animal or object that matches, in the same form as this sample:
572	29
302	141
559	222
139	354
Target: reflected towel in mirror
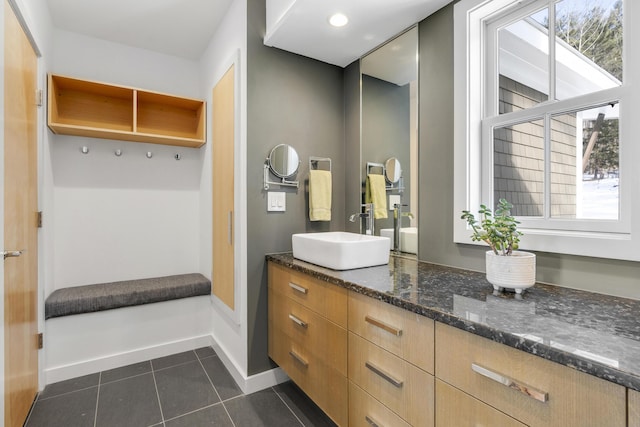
376	193
319	195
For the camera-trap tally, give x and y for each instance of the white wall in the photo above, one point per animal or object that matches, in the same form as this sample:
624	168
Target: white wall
230	40
117	218
86	57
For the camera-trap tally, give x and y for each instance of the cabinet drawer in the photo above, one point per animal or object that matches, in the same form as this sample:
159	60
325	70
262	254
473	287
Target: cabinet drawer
399	385
324	298
324	385
467	362
365	411
403	333
634	408
455	408
320	337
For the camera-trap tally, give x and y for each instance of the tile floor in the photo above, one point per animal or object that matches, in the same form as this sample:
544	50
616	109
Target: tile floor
186	389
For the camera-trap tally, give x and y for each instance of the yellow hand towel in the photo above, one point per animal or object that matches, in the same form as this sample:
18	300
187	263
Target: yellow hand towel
376	193
319	195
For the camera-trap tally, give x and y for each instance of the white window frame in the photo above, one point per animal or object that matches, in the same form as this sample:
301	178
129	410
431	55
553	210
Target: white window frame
612	239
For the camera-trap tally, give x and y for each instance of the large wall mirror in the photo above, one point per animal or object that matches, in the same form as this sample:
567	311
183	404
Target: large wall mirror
389	121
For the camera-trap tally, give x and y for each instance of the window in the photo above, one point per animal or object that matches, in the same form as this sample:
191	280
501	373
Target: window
543	119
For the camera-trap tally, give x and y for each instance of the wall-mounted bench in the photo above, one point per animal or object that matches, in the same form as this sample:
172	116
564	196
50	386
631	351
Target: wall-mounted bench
97	327
107	296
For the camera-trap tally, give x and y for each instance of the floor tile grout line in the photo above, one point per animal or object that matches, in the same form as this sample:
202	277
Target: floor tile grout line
194	411
95	415
125	378
155	383
288	407
216	391
66	393
173	366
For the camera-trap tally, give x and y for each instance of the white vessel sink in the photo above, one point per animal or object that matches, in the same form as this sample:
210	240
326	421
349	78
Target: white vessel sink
340	250
408	239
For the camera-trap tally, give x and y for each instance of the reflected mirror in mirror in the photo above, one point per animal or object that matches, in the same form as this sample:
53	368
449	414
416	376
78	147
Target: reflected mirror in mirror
284	161
393	170
389	121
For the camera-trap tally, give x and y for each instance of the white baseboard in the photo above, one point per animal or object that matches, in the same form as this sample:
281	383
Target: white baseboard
86	367
253	383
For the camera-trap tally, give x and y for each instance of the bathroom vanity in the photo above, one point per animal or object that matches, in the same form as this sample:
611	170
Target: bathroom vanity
416	344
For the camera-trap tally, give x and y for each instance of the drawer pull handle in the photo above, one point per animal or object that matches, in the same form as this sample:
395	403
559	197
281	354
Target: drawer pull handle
384	326
542	396
299	359
298	288
372	421
298	321
384	375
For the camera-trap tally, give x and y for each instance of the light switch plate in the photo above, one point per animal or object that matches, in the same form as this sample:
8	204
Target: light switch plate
276	201
394	199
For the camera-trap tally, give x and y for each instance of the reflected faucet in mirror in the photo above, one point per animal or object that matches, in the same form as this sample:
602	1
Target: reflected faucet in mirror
367	213
397	224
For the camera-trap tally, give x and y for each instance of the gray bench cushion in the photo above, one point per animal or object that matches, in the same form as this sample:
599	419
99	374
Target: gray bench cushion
105	296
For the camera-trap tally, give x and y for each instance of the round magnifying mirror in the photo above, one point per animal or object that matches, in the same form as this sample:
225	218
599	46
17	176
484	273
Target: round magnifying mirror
393	171
283	161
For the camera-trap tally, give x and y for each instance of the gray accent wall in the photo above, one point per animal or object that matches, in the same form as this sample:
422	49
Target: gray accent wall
298	101
436	214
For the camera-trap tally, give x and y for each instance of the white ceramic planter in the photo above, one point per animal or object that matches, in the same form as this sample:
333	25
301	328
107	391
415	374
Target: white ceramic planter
517	271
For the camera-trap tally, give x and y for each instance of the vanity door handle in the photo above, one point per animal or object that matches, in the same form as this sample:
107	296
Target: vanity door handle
384	375
372	421
298	288
298	358
298	321
534	393
384	326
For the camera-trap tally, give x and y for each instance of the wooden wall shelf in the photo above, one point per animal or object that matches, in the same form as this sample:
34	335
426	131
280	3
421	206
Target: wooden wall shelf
100	110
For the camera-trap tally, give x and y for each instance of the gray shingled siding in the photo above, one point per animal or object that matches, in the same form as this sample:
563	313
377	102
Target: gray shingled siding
519	157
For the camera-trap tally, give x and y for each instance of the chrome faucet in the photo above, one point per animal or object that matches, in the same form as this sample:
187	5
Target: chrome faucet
397	224
368	214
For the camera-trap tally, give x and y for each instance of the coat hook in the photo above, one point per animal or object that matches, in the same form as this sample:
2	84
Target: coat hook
178	156
85	150
149	154
118	152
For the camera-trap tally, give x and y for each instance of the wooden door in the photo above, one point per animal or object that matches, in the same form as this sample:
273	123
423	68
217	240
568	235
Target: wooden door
223	131
20	222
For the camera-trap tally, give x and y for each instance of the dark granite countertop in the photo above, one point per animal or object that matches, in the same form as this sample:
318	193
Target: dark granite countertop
593	333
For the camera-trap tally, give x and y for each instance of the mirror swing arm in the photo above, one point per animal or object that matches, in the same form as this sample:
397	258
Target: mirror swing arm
284	181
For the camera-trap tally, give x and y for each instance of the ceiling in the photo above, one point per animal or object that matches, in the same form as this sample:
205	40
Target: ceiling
302	26
184	28
180	28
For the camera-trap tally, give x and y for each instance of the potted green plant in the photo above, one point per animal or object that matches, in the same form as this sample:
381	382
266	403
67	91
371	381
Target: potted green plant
506	266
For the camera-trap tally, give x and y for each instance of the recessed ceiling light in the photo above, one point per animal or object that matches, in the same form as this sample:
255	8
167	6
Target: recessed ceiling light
338	20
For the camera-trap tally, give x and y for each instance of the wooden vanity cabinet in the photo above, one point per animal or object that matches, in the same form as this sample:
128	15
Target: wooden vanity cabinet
308	337
634	408
456	408
391	360
540	392
366	363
